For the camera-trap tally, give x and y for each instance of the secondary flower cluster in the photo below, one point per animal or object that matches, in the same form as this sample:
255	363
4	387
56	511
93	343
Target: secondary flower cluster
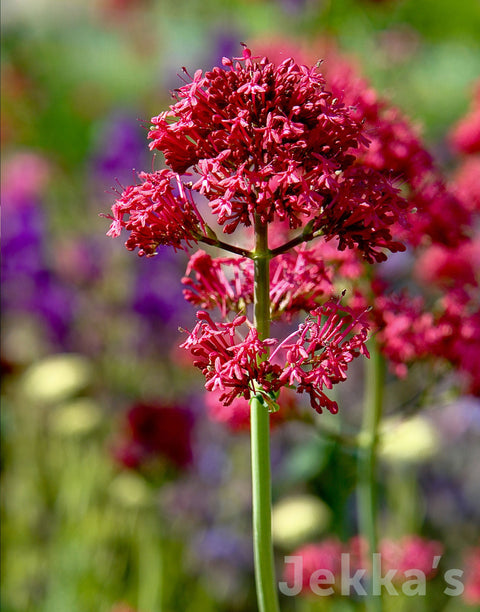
314	357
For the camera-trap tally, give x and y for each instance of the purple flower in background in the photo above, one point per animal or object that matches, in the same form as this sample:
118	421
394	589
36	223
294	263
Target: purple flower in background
118	148
28	283
157	297
223	545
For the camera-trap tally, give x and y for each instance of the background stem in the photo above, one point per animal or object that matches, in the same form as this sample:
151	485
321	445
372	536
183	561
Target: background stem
367	494
260	440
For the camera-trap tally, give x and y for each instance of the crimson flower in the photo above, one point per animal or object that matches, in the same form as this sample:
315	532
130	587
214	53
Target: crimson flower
156	430
262	141
157	213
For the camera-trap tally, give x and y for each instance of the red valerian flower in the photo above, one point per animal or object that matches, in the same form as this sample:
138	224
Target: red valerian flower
271	141
320	356
408	332
223	282
326	343
228	362
160	210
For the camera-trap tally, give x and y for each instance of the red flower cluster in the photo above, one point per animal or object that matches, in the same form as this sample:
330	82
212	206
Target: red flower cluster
159	211
318	358
229	363
267	141
226	282
408	332
396	151
298	279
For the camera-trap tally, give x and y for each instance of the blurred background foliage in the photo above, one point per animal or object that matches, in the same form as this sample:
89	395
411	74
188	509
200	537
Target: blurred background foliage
88	331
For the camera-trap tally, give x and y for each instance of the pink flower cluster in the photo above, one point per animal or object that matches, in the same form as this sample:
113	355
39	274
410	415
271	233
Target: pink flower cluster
317	359
397	556
471	594
465	137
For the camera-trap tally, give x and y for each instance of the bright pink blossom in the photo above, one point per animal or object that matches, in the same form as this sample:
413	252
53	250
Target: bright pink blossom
471	594
223	282
465	136
298	279
411	552
228	362
320	356
326	556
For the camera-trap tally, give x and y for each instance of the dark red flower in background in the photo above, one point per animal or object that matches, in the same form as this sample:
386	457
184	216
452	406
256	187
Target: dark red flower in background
156	431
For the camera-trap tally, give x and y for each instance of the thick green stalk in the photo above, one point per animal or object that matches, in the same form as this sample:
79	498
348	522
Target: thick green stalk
260	440
367	497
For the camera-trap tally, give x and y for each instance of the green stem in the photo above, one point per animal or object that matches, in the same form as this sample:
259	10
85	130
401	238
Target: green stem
367	497
267	596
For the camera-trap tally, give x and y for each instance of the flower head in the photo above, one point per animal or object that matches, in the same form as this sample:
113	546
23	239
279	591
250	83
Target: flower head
263	141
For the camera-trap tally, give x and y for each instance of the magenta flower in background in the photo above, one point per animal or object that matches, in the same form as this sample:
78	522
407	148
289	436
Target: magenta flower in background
408	553
471	594
326	556
465	136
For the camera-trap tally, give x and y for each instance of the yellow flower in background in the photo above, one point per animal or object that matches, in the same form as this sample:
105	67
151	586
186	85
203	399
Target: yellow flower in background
297	519
130	491
78	417
56	378
408	441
